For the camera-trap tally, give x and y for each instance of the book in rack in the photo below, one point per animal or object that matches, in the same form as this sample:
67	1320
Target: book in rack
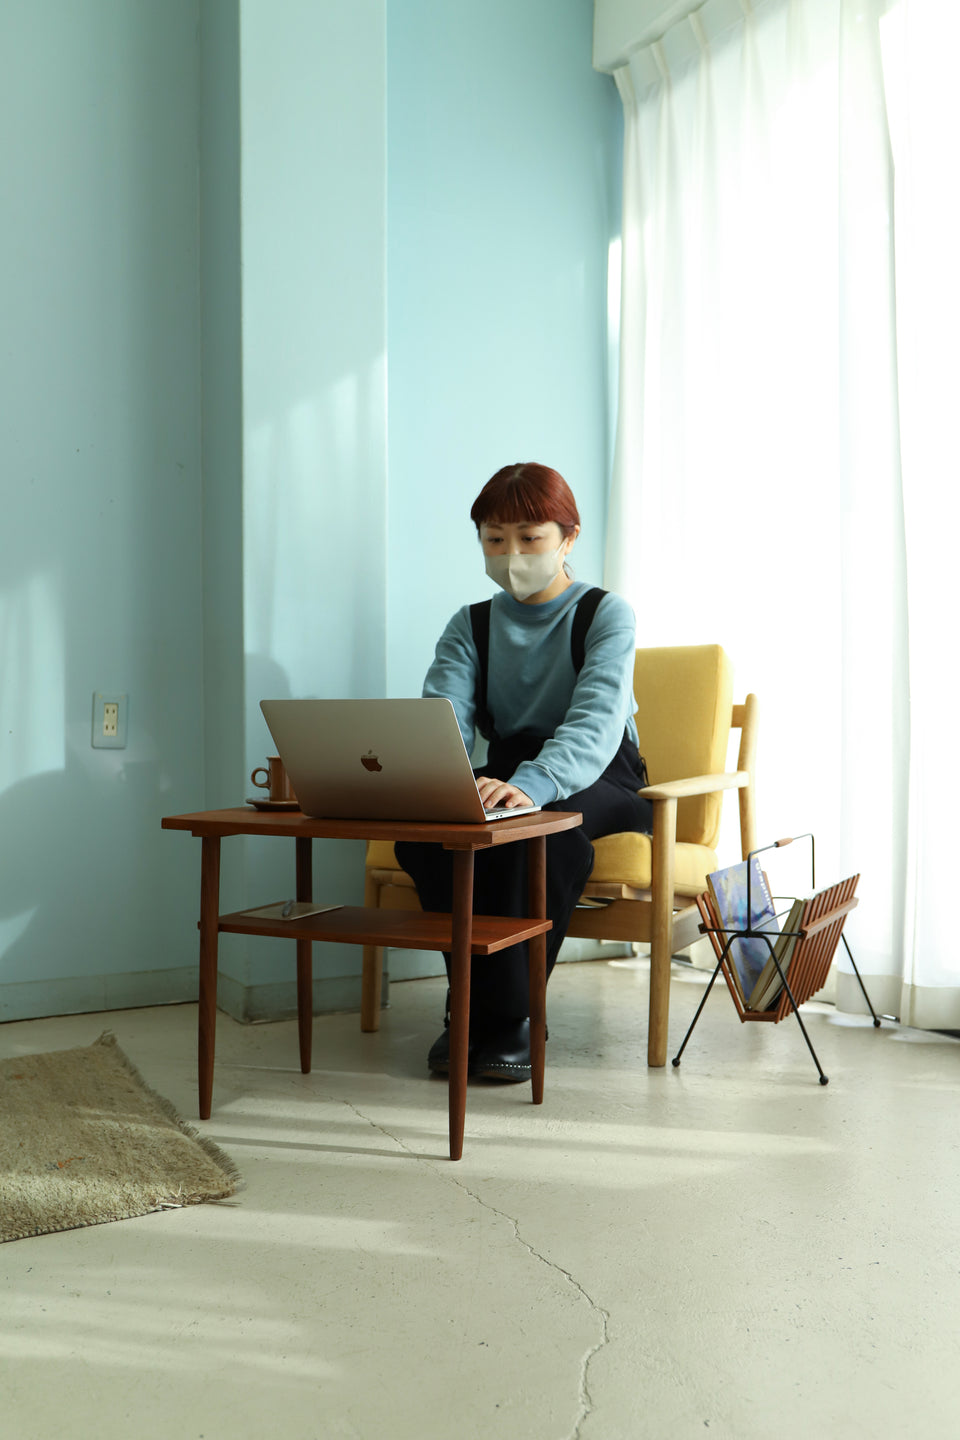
745	910
770	983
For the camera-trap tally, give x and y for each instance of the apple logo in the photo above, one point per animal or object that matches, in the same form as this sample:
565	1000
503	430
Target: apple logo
370	761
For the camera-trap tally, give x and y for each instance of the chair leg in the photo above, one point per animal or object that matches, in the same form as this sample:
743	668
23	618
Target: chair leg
371	980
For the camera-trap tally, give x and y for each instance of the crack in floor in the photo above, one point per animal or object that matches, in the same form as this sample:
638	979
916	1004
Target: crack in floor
603	1316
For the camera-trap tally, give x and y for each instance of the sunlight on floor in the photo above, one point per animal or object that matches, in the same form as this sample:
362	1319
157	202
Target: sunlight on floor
618	1262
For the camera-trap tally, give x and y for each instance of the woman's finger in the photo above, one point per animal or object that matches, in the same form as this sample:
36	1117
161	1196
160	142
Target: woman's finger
500	793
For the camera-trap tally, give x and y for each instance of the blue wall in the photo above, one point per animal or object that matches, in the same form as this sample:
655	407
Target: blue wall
503	198
204	501
100	532
313	225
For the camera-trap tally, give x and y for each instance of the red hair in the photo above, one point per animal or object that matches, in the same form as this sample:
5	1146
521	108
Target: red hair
526	493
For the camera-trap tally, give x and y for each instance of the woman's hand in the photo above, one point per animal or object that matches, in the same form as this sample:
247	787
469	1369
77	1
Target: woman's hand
499	795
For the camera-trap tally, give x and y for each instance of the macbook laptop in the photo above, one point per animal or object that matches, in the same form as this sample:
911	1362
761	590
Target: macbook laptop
379	760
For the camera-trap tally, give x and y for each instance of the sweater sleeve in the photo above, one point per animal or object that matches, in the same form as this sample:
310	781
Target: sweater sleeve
600	707
454	673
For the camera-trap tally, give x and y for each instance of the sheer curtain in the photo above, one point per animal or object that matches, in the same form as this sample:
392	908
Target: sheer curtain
785	470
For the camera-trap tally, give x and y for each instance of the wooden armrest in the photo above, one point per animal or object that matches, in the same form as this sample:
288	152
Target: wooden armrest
696	785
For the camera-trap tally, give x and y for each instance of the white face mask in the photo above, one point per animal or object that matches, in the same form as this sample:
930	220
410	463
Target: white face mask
525	575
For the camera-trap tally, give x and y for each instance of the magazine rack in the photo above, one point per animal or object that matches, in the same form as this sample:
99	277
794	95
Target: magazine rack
817	935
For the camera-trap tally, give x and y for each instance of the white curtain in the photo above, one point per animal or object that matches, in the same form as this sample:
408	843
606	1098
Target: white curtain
785	474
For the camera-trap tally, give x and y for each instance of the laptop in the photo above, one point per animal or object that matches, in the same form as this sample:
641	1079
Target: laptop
379	760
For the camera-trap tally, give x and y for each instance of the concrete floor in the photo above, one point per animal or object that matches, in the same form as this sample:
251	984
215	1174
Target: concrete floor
728	1248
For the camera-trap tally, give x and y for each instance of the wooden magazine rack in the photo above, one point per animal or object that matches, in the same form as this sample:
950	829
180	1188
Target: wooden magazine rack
805	972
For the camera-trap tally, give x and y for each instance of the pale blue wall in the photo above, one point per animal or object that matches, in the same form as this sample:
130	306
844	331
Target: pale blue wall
503	198
207	204
313	230
222	387
100	528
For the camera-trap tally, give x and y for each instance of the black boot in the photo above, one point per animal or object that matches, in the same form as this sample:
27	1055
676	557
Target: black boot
504	1052
438	1056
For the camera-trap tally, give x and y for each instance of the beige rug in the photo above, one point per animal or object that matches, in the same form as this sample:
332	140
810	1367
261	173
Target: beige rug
83	1141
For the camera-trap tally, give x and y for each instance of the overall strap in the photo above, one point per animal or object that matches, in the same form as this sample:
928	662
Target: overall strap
582	618
480	625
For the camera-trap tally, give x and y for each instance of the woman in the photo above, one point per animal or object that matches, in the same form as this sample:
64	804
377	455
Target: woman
556	705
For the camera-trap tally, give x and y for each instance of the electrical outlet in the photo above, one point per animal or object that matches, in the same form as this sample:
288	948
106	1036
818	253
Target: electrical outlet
109	729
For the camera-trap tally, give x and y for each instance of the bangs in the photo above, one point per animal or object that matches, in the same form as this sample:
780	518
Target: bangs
526	494
517	504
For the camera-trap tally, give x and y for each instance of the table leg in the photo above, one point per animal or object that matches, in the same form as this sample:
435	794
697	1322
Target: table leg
537	951
371	980
462	925
305	957
207	1015
661	928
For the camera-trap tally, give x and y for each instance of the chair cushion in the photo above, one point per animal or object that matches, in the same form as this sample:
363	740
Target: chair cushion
684	708
619	860
626	860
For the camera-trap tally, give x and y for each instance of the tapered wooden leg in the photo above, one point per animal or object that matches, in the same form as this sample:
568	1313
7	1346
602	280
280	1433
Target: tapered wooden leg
207	1014
537	950
462	918
371	979
661	932
371	988
305	957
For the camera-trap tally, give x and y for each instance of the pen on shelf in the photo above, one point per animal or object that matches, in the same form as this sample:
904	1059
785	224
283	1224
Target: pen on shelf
287	910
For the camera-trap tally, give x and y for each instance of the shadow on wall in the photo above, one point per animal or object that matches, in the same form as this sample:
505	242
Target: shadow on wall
56	921
265	679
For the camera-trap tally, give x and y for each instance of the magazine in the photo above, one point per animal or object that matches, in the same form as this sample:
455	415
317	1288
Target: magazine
768	987
748	954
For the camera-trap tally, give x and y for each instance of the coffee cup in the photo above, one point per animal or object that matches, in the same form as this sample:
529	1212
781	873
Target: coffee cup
276	781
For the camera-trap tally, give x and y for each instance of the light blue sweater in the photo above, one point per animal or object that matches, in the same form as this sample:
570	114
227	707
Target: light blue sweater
531	686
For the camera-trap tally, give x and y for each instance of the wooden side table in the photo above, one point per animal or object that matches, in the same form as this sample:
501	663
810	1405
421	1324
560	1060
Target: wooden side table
461	933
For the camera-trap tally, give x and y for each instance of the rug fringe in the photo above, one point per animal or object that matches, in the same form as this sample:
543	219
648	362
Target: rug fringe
108	1041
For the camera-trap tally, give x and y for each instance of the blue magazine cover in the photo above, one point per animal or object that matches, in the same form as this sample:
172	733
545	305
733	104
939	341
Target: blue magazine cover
748	956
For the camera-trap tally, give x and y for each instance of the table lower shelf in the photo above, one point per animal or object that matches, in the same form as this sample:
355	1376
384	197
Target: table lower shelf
401	929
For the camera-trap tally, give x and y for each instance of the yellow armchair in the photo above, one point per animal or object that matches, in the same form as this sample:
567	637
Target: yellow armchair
642	887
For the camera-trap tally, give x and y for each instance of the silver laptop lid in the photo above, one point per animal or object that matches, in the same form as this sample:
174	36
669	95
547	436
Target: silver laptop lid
378	760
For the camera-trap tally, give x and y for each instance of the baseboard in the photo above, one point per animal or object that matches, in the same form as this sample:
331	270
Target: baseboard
575	948
250	1004
87	994
257	1004
888	996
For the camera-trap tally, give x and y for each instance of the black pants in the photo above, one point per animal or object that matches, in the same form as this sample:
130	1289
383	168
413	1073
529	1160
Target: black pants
499	987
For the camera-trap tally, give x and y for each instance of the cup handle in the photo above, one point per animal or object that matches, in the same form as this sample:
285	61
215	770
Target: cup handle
261	770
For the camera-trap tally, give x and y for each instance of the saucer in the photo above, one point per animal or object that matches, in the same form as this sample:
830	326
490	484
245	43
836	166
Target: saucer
273	804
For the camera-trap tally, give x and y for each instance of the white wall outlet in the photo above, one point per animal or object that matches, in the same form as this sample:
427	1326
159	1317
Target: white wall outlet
109	729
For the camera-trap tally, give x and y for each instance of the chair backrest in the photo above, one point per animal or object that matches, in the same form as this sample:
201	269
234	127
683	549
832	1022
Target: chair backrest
684	710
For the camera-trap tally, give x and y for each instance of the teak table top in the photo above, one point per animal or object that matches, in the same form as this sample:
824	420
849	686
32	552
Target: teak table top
243	820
